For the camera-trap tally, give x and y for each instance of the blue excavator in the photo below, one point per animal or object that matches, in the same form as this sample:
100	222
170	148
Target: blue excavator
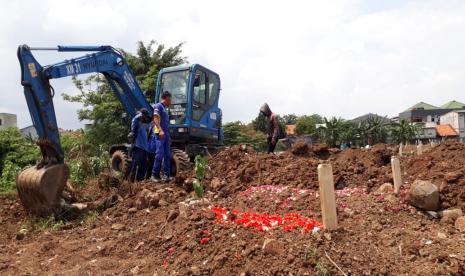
195	118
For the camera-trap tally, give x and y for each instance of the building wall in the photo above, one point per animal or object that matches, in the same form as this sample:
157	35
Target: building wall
29	132
8	120
456	120
423	115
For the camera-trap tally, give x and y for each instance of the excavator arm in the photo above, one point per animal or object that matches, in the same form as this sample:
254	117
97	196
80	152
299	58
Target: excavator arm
40	187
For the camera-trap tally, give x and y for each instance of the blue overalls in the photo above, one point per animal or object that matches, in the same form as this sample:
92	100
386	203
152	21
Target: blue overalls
139	152
162	146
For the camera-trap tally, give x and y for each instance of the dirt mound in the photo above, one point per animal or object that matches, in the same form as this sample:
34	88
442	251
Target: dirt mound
260	216
443	165
300	148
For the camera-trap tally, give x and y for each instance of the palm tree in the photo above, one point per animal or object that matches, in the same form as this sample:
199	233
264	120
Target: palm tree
404	131
332	131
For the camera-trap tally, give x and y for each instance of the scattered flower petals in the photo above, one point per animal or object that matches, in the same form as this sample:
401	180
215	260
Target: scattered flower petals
265	222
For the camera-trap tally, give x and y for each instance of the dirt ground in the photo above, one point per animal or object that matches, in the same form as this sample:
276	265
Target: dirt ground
260	216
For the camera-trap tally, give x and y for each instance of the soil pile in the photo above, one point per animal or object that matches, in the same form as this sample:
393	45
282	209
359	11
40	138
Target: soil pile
444	165
260	216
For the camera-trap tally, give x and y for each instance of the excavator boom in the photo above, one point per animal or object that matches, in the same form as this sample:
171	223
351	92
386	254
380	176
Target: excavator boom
40	187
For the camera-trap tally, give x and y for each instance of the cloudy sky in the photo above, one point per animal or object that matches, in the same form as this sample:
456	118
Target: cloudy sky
339	57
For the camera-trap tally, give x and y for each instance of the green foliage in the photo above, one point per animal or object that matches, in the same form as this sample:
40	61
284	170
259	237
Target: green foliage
16	149
290	119
333	131
260	123
307	125
100	105
201	165
404	131
8	178
85	160
236	133
16	152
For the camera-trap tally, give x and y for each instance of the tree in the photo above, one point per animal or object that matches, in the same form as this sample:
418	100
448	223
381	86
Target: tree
404	131
100	105
290	119
307	124
332	131
260	123
236	133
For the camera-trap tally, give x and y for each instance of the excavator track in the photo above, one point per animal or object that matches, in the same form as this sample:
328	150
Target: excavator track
40	189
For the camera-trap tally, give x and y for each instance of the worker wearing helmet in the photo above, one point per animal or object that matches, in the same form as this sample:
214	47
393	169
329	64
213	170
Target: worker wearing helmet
139	130
161	139
272	126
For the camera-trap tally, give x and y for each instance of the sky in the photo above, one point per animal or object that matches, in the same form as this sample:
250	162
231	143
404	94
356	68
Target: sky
339	58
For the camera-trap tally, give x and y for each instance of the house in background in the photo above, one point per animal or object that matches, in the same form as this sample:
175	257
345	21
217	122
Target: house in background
456	119
8	120
369	116
29	132
428	132
427	113
446	132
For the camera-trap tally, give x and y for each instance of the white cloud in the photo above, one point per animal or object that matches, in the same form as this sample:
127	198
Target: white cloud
342	58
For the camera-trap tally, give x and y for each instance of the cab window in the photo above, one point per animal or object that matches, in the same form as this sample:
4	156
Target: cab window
199	106
213	88
200	88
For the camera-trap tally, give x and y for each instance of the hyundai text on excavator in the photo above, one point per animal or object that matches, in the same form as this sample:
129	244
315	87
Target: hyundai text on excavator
195	119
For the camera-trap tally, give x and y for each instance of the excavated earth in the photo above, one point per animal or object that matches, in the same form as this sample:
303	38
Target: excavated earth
260	215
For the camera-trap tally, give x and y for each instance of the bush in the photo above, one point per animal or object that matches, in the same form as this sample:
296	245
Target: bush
8	179
16	149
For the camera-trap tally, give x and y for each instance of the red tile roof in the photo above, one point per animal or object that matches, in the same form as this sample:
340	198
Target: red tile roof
446	130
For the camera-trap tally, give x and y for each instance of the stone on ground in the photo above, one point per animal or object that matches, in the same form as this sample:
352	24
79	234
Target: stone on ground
385	188
273	247
424	195
460	224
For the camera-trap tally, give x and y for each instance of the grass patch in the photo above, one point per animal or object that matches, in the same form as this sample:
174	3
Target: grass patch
42	224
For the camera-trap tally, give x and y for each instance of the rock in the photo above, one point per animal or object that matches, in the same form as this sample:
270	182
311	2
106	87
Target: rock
132	210
139	245
146	199
460	224
441	235
327	236
21	234
183	209
194	270
385	188
117	226
450	215
424	195
135	270
273	247
163	203
451	177
173	214
216	183
220	260
391	198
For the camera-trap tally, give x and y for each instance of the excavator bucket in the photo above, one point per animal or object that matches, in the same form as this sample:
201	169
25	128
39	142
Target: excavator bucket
40	190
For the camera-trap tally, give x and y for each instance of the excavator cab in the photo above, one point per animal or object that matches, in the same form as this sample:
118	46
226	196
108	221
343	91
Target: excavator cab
195	118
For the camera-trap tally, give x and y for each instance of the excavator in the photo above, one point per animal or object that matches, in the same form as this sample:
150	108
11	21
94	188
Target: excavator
195	118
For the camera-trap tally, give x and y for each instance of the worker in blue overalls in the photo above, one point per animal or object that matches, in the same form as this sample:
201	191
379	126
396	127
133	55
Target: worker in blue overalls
161	138
139	131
